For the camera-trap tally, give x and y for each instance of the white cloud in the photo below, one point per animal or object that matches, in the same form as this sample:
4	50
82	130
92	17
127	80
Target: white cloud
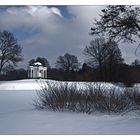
56	11
34	10
29	17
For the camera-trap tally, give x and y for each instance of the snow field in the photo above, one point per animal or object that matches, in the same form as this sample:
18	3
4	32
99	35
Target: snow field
18	115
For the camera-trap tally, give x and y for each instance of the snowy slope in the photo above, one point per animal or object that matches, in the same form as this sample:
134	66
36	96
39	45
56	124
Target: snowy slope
29	84
35	84
18	116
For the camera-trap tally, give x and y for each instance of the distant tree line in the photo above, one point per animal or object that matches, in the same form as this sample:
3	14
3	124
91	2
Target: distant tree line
103	62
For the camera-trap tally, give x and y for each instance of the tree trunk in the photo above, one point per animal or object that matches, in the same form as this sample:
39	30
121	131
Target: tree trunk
100	70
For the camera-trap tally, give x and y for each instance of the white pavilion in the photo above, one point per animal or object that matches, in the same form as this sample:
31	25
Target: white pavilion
37	70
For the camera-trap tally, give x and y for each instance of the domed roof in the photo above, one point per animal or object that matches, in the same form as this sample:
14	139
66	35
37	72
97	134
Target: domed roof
37	64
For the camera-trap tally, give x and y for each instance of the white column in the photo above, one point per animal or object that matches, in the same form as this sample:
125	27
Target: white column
38	72
31	75
45	73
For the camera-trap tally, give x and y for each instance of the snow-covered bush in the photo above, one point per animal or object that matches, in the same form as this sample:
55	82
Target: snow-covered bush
133	94
67	97
60	97
111	100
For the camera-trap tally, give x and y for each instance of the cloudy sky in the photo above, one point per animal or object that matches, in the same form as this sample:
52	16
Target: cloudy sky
51	31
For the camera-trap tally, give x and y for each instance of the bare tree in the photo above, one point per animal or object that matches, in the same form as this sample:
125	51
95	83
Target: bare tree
113	57
10	50
67	62
119	22
31	62
7	69
114	54
103	54
42	60
136	63
96	54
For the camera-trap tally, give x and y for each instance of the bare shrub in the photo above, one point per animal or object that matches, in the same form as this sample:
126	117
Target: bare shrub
67	97
112	102
108	100
133	94
62	96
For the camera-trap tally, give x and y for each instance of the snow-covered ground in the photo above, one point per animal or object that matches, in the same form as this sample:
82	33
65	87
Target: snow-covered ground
18	115
32	84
